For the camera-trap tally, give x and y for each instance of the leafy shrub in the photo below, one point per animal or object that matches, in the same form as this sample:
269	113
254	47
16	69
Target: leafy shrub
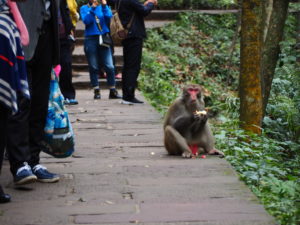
266	166
196	4
180	57
282	120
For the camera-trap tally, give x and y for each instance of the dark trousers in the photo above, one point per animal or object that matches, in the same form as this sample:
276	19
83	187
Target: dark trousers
14	135
132	53
3	118
39	74
65	77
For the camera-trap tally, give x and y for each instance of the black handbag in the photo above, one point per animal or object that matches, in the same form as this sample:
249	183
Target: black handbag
105	40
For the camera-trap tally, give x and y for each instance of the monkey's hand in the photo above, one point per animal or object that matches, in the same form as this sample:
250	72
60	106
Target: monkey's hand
200	117
187	154
200	113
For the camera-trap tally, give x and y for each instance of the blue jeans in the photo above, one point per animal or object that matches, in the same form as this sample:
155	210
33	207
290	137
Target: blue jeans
99	57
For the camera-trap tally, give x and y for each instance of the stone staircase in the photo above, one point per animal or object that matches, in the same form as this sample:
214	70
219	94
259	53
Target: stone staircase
157	18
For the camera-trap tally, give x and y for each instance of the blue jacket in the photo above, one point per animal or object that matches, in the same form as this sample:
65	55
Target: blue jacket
88	14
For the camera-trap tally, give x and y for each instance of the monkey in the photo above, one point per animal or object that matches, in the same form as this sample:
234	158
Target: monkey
186	128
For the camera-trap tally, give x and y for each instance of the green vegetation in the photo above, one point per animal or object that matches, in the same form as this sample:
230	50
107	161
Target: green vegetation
187	4
195	4
198	48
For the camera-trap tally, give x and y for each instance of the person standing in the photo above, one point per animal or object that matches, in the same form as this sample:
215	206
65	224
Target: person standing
132	46
96	17
13	90
67	42
41	55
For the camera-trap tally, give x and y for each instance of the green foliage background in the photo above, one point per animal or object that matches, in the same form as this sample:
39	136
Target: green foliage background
187	4
198	48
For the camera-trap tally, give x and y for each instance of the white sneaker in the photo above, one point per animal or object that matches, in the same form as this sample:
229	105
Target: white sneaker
126	102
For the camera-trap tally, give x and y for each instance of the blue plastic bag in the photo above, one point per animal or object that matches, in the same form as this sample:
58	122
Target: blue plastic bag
59	136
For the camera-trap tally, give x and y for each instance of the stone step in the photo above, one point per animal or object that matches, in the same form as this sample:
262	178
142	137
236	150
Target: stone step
163	15
149	24
83	67
81	80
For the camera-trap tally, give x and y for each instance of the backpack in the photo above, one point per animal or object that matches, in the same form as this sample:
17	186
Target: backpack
117	31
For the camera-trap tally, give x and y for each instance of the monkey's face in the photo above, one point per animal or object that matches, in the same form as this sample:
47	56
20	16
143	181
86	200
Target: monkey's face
192	94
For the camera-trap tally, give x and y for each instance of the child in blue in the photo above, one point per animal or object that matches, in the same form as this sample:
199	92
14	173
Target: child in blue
96	19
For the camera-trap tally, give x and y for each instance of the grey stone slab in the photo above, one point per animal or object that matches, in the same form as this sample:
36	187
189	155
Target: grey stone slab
229	211
120	173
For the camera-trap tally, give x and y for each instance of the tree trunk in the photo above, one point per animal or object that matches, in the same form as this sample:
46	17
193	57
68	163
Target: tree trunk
271	48
298	35
251	105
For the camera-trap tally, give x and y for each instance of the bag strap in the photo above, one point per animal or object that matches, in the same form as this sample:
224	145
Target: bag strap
98	23
118	5
131	20
97	20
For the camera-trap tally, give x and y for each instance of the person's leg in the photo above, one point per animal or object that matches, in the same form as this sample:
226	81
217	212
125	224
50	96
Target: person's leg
17	135
132	51
39	73
107	61
3	132
15	95
65	77
3	121
91	49
17	143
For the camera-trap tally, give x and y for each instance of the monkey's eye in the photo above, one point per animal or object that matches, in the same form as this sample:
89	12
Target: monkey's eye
192	89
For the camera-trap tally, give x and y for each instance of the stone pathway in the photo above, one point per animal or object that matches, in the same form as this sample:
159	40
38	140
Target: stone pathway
121	174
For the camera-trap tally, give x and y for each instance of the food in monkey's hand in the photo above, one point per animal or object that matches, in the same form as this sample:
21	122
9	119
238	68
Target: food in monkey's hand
200	113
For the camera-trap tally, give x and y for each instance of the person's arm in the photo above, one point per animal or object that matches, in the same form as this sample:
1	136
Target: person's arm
106	10
142	9
111	2
72	4
66	16
87	14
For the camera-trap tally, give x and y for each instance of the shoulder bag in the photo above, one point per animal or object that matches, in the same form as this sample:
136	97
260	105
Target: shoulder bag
117	30
104	39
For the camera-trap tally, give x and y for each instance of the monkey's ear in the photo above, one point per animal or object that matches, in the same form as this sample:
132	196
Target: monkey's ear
182	86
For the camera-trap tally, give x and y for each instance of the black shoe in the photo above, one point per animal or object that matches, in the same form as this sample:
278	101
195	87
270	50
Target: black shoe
131	101
4	198
113	94
97	94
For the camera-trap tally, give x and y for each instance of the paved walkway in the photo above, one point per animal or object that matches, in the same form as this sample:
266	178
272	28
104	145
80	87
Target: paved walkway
121	174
